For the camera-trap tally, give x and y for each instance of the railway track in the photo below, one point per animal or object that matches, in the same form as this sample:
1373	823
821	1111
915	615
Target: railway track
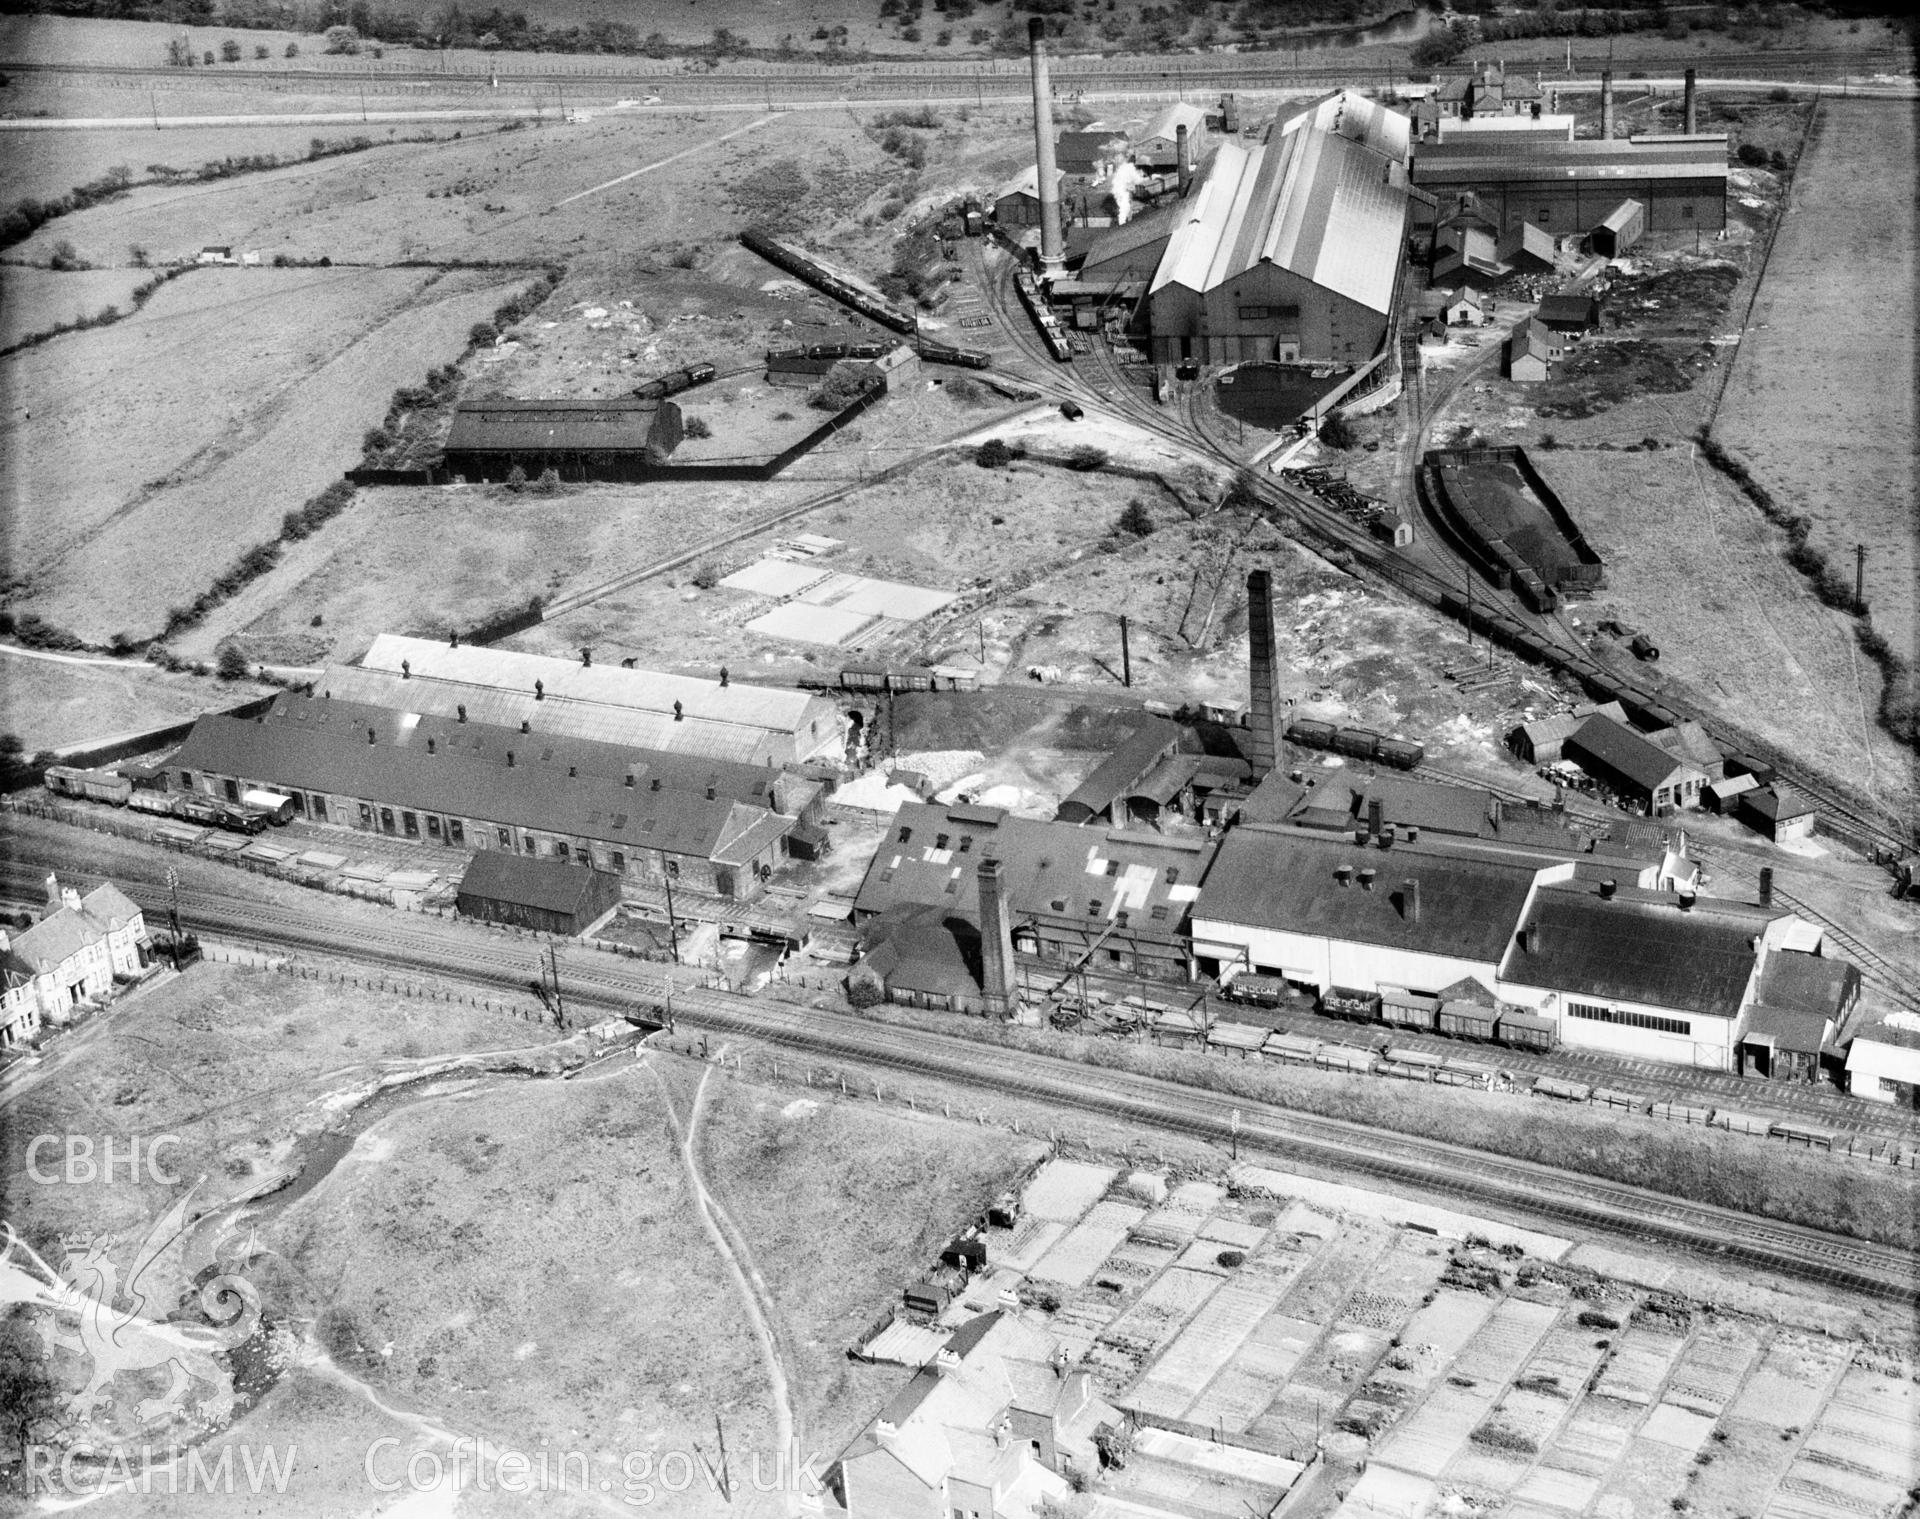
1275	70
1342	1149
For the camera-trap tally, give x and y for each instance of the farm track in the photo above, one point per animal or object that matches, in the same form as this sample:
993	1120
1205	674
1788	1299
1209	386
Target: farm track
1349	1151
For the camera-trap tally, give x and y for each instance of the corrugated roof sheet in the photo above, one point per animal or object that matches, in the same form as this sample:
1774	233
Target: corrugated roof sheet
1353	116
1286	881
1312	203
1506	158
1168	123
1121	771
1639	947
735	717
1812	983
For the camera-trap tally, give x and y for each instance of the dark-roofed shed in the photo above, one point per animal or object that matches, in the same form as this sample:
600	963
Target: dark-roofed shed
549	896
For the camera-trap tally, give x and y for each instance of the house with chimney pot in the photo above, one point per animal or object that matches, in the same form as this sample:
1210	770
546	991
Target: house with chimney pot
997	1422
70	958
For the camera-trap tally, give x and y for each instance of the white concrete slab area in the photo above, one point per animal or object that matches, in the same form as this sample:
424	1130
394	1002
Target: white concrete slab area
798	622
775	577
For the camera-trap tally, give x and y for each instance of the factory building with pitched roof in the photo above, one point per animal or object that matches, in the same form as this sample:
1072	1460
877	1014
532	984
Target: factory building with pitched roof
1290	250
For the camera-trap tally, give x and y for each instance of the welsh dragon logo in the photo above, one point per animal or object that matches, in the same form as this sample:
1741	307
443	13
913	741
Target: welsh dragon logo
111	1339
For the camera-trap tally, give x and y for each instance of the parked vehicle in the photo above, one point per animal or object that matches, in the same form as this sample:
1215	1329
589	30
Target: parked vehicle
93	785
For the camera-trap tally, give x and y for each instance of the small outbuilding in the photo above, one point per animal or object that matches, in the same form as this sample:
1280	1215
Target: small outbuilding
1570	313
1465	308
548	896
1779	812
1527	249
1532	351
1619	229
1624	761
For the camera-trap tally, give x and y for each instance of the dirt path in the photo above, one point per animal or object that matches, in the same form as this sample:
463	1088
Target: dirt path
754	1298
700	147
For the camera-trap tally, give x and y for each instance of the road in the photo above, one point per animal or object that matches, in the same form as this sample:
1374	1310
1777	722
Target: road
1471	1179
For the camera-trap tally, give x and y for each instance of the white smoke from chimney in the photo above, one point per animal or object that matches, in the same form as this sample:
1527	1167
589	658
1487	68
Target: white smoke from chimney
1125	177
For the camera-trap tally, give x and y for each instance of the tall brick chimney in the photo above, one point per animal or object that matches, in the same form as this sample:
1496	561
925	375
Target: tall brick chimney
1691	109
1183	153
999	983
1263	700
1606	105
1052	248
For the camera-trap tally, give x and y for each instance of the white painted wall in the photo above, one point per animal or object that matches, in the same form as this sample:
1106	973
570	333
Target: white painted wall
1335	962
1710	1045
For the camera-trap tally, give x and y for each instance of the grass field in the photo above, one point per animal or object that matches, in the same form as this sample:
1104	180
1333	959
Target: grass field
844	1205
1820	402
38	300
51	703
130	492
233	1062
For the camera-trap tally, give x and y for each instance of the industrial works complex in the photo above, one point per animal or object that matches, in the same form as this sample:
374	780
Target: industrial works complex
1371	893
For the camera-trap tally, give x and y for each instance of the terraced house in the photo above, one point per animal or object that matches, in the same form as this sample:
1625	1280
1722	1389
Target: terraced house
72	955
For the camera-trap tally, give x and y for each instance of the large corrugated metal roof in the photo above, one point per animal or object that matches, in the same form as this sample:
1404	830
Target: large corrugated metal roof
1310	202
756	724
1527	157
550	885
1353	116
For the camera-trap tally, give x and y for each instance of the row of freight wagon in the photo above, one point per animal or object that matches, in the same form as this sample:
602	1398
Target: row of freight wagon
1051	332
1356	743
250	814
1406	1010
869	305
675	381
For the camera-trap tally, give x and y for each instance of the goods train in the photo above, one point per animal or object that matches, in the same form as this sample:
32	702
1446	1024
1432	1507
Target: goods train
829	283
1357	743
672	383
944	353
94	785
251	815
1051	331
889	678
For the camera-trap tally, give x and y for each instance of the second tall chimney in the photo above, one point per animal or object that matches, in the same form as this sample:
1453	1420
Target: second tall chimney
1000	991
1766	886
1182	149
1606	105
1690	111
1263	699
1052	255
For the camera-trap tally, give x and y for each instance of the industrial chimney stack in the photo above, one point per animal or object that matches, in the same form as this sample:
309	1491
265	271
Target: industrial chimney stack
1263	700
1691	114
1052	258
999	987
1182	150
1606	105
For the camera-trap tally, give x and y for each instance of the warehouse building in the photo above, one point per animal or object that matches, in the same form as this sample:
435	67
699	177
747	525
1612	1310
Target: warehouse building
1331	916
1567	188
481	786
1289	251
1137	773
1883	1056
613	439
1077	896
1349	114
547	896
1643	974
641	709
1641	773
1016	204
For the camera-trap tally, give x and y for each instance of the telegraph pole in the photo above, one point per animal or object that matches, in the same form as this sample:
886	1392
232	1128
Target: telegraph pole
173	914
1859	577
673	924
559	1007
